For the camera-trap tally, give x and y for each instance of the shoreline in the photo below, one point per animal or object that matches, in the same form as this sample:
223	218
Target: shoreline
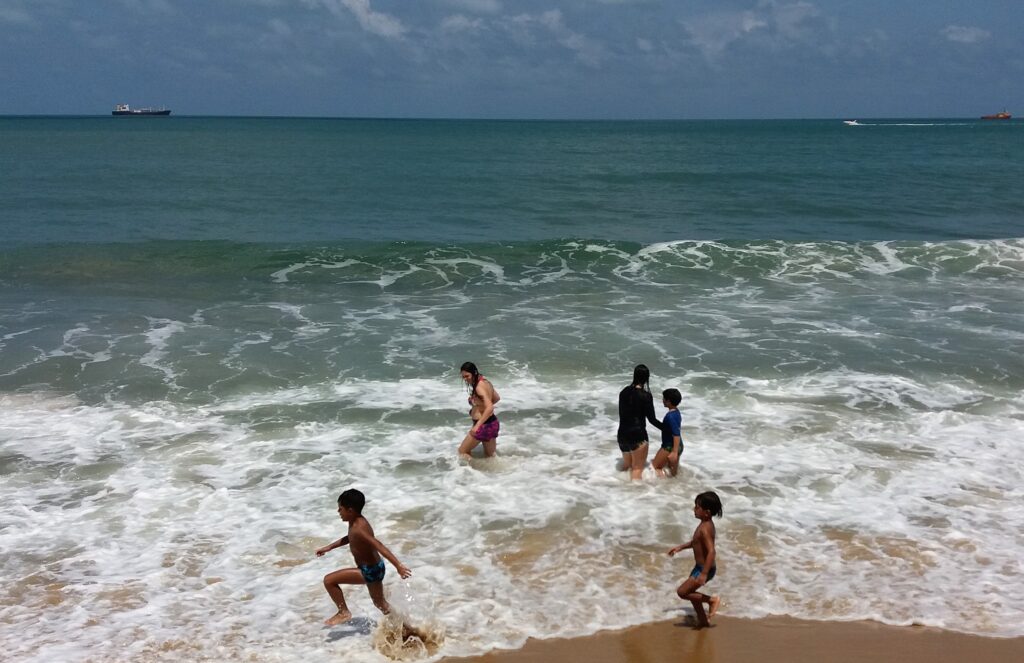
765	640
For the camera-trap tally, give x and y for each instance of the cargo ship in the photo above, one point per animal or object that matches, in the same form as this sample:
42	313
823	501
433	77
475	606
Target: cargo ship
998	116
124	109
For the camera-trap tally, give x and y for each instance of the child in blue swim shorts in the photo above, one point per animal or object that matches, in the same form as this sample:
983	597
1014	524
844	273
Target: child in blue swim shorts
366	551
705	506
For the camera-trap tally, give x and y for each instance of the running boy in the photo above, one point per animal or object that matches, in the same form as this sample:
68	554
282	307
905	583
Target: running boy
705	506
671	440
366	551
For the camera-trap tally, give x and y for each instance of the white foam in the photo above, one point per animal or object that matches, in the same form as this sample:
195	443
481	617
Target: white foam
197	540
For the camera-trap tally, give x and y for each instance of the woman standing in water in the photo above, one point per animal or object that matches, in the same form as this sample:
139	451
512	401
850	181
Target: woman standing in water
635	405
482	399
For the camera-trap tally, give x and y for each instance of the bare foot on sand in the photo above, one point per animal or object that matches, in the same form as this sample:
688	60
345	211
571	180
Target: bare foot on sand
340	617
713	604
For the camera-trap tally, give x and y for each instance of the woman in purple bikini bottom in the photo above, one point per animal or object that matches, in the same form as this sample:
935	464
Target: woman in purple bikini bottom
482	399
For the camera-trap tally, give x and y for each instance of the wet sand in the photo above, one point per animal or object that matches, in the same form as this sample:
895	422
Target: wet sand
771	640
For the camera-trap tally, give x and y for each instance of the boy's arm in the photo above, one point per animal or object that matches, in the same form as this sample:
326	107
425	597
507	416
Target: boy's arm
680	547
403	570
331	546
677	439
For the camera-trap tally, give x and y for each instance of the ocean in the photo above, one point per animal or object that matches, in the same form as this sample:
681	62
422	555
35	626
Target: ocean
210	327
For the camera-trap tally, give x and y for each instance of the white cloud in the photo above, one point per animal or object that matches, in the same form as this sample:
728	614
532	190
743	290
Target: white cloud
374	22
15	15
791	19
775	24
713	33
964	34
149	6
461	23
587	51
279	27
477	6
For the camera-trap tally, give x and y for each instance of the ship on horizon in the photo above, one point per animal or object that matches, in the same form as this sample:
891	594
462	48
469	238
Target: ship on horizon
1003	115
125	109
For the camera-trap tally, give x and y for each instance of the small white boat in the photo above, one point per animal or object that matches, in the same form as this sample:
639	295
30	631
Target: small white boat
852	123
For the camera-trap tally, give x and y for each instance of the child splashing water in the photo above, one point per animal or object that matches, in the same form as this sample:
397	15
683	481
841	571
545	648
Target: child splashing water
366	551
705	506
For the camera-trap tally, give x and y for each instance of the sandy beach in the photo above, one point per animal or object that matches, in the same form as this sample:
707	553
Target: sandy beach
771	640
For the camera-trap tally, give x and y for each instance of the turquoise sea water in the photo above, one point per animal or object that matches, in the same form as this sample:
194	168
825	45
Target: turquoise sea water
209	327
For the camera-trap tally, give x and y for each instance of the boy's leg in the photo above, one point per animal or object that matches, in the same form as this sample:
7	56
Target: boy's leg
331	584
659	462
376	590
638	459
688	592
713	603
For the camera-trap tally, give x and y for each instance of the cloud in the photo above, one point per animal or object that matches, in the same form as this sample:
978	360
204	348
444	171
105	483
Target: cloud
965	34
774	24
279	27
587	51
477	6
149	6
16	16
713	33
461	23
378	23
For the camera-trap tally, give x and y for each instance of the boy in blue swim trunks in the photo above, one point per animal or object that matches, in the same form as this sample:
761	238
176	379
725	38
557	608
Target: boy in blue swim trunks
705	506
671	437
367	552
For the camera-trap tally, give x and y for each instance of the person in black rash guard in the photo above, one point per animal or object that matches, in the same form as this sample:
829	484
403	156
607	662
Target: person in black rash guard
636	408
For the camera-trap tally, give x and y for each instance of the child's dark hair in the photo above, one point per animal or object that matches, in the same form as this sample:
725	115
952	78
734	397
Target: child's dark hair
672	396
352	499
709	502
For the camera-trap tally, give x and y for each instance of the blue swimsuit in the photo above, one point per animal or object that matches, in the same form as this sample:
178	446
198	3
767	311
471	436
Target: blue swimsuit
373	572
699	568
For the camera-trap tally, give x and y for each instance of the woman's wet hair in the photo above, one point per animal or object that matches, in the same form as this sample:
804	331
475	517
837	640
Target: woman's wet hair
709	502
471	368
352	499
641	376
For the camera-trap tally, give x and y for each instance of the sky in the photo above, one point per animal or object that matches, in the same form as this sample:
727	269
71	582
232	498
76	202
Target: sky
542	59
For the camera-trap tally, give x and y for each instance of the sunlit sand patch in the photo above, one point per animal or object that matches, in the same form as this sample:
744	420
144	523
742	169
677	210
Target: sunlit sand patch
125	597
856	547
527	547
849	548
191	558
293	555
907	550
41	590
747	542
